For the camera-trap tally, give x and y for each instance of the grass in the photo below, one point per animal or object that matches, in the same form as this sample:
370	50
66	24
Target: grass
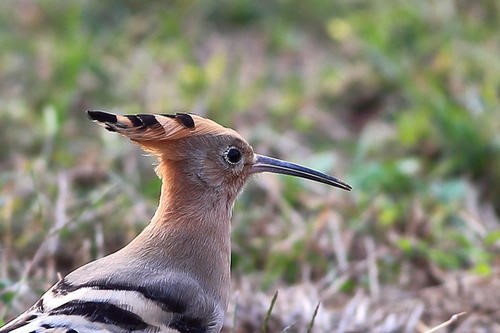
398	98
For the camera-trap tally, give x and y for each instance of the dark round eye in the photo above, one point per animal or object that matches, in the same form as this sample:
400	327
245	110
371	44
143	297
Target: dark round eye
232	155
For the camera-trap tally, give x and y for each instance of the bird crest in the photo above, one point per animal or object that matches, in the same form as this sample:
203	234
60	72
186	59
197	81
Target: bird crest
152	131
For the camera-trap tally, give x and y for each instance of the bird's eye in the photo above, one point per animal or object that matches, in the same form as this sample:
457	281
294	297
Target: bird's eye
232	155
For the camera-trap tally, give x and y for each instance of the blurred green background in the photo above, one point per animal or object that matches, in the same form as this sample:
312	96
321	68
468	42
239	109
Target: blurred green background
399	98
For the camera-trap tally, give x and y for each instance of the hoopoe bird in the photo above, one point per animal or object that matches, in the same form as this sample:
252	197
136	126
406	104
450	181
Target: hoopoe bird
175	275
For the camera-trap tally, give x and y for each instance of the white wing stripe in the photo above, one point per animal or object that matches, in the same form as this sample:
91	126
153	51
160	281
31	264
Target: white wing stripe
133	301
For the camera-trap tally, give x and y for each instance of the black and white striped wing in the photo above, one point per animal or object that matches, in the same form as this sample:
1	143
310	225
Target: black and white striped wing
79	317
83	317
35	322
66	308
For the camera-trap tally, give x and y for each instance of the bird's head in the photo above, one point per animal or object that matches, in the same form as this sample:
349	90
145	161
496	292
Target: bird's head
201	153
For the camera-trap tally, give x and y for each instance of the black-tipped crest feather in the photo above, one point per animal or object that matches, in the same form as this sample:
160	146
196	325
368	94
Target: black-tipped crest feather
136	121
184	118
148	120
139	120
101	116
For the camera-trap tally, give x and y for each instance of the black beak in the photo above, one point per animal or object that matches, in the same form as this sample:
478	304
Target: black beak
268	164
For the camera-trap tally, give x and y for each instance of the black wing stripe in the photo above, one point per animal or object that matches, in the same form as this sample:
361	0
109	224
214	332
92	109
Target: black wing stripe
102	312
188	325
166	302
13	326
17	323
38	306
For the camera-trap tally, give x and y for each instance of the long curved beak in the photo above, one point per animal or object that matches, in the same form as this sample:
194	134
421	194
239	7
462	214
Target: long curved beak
268	164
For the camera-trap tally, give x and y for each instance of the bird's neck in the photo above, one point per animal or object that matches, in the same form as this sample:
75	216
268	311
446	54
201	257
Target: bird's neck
190	233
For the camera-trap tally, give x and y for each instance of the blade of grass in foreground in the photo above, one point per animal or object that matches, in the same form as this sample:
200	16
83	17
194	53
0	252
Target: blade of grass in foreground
311	323
269	311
